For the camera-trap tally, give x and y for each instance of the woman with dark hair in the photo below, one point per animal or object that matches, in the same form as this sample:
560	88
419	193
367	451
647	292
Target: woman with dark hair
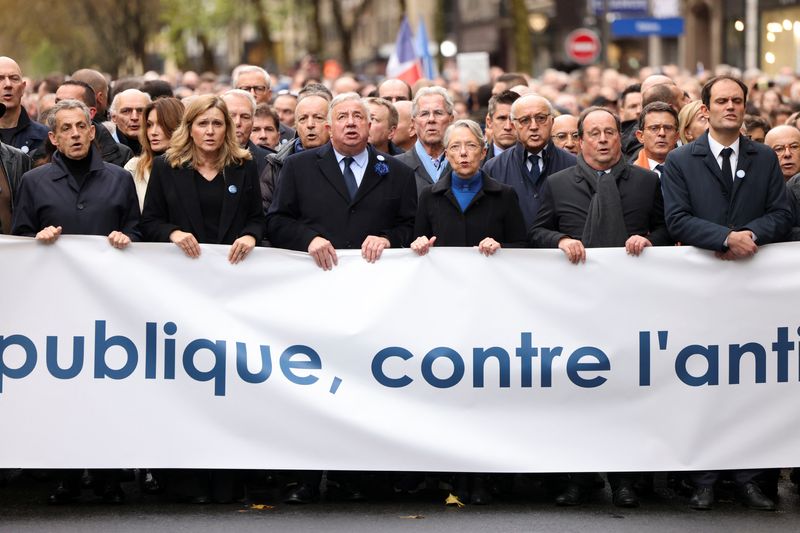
204	189
162	117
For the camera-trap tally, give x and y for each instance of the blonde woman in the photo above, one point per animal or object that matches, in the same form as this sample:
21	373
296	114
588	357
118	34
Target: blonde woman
204	189
692	121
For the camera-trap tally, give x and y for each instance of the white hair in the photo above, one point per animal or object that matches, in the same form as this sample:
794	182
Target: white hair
127	92
241	69
346	97
243	94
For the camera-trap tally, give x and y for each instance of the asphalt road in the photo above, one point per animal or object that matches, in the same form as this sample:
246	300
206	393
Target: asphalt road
22	510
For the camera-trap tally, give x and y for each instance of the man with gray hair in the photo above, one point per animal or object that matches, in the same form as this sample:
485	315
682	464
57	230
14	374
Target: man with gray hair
242	108
526	165
77	193
342	195
431	113
335	196
127	110
256	81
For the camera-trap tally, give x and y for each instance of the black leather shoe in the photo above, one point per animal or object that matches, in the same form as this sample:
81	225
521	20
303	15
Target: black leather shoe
112	493
625	496
63	495
352	493
702	499
480	494
752	498
300	493
572	496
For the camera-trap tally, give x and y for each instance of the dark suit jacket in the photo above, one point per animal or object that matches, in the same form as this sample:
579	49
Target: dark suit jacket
493	212
50	196
172	203
567	196
510	168
701	209
312	200
259	155
412	160
287	134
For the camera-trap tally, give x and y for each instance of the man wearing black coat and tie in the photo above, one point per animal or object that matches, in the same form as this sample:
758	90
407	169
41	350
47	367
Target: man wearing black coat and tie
526	165
343	194
725	193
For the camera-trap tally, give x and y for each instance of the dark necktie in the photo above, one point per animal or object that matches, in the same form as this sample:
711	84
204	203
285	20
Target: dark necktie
437	163
534	172
727	173
350	178
660	169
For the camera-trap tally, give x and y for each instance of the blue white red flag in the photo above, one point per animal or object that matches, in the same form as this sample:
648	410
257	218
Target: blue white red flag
429	69
404	63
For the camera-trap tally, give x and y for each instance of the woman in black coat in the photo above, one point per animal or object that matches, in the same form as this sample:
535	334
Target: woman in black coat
467	207
205	188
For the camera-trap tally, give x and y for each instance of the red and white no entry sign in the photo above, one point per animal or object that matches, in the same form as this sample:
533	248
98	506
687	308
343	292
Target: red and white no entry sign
583	46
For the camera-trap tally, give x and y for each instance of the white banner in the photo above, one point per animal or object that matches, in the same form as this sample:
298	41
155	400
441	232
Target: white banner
521	362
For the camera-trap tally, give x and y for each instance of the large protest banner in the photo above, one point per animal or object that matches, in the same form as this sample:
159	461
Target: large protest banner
449	362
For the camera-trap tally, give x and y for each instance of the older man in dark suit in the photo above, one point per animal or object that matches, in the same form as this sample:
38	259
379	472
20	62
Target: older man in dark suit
431	113
343	194
725	193
603	201
526	165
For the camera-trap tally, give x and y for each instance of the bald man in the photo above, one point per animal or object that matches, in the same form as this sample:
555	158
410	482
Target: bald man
785	141
16	128
526	165
394	90
99	85
405	136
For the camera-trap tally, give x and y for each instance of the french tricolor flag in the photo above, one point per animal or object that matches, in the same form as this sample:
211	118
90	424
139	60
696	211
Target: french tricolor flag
404	63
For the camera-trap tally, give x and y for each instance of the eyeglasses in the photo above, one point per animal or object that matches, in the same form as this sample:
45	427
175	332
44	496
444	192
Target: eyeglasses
655	128
541	119
458	147
791	148
258	89
562	136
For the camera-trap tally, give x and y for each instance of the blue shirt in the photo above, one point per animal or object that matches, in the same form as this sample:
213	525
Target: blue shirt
465	190
427	162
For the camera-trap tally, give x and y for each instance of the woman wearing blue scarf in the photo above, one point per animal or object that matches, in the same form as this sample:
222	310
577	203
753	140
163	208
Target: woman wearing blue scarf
467	207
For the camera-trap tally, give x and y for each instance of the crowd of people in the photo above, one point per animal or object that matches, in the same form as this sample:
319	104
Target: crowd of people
572	161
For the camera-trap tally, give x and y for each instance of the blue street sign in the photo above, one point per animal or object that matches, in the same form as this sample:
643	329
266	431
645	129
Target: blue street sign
644	27
626	7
